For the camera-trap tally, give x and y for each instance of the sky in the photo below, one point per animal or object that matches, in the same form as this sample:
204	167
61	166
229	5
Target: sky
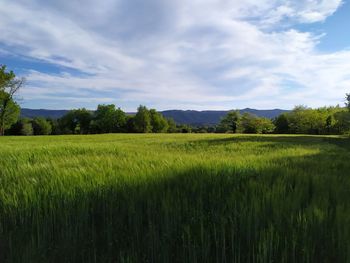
183	54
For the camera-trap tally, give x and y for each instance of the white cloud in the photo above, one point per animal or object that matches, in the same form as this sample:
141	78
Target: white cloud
196	54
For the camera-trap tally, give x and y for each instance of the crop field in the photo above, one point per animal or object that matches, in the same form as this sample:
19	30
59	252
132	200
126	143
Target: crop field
175	198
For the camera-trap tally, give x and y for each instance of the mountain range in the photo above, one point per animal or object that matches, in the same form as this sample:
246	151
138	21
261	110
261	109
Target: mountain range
190	117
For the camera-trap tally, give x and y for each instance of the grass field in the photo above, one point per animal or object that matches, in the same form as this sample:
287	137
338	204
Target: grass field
175	198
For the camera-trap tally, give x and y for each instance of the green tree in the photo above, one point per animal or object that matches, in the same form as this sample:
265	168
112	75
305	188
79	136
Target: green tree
130	126
247	123
303	120
183	128
27	129
9	112
347	101
265	126
142	120
9	109
109	119
330	122
282	124
21	127
342	122
41	126
171	125
251	123
158	122
5	77
230	121
55	126
76	121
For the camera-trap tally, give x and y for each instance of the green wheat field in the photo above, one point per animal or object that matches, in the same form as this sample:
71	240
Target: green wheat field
175	198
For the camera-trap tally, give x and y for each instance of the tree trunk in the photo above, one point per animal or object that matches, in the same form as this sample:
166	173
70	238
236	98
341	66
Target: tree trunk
2	124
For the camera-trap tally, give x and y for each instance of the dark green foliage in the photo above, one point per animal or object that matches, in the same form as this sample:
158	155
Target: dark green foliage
184	128
5	77
230	122
109	119
9	109
330	123
265	126
247	123
171	125
142	120
342	122
203	129
76	122
21	127
158	122
303	120
250	123
55	126
130	124
281	123
348	101
27	128
41	126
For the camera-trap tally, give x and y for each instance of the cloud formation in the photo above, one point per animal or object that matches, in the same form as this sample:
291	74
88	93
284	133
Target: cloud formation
200	54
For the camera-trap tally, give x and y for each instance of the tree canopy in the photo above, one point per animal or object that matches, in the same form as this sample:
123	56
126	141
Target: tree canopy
9	109
142	120
109	119
230	121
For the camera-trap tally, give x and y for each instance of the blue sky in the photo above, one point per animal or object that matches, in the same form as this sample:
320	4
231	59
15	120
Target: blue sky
166	54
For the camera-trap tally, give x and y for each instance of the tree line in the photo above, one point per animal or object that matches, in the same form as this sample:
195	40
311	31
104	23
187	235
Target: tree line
110	119
301	120
106	119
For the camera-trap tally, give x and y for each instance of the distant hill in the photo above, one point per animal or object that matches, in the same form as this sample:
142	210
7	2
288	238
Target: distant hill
190	117
54	114
213	117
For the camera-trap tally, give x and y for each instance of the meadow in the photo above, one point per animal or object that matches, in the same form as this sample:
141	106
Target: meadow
175	198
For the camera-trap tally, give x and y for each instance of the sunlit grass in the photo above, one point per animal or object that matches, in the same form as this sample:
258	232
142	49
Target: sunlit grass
175	198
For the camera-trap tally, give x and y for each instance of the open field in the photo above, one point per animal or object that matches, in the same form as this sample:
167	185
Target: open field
175	198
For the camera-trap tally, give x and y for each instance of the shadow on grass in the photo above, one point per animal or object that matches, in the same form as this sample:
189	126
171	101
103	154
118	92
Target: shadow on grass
224	214
343	142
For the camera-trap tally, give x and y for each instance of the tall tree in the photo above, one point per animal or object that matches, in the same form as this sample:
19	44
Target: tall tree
142	120
76	121
109	119
9	109
158	122
55	126
348	101
230	121
41	126
342	122
171	125
282	124
248	123
264	126
22	127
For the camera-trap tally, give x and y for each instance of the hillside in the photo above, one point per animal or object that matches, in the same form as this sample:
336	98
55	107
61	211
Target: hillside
191	117
213	117
31	113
